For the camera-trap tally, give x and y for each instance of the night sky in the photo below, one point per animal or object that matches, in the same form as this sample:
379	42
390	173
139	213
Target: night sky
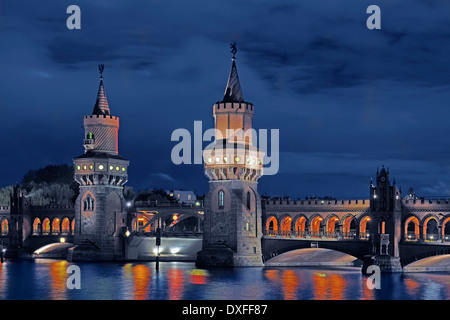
346	99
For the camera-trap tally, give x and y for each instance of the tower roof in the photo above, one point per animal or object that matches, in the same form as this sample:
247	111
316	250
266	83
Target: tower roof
233	91
101	104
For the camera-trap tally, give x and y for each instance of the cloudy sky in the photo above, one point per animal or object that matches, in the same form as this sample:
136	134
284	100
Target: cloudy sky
345	99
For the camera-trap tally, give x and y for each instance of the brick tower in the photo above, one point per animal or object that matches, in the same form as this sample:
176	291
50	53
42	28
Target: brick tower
100	218
232	224
386	213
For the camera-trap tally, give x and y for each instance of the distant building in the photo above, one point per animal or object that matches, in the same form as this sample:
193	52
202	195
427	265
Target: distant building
183	196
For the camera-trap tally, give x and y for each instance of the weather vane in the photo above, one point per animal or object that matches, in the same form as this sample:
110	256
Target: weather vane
101	67
233	49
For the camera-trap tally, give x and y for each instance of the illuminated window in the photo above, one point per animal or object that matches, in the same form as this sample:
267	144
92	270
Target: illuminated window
101	167
117	168
123	169
225	159
111	168
84	167
78	167
91	167
221	196
236	159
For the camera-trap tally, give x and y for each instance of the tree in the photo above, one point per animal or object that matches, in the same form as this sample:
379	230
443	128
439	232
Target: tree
5	195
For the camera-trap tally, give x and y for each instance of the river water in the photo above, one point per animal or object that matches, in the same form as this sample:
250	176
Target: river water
46	279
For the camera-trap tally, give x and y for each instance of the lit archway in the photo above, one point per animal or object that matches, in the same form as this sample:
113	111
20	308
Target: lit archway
37	226
4	227
333	227
430	229
316	226
46	226
65	226
411	229
272	226
364	229
349	227
446	229
56	226
300	226
285	226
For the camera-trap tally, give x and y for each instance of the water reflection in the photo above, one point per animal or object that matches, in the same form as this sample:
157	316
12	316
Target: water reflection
46	279
58	276
176	283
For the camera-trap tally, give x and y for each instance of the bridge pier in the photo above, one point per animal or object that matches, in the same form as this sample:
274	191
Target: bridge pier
386	263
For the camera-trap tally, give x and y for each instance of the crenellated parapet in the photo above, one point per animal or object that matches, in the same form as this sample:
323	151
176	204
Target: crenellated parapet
287	204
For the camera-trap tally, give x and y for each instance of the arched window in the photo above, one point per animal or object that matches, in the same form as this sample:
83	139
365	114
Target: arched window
248	200
88	204
221	199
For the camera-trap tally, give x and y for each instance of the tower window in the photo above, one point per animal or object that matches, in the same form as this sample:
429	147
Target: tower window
221	199
88	204
248	200
90	135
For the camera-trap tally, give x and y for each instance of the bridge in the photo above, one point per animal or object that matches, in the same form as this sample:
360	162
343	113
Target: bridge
355	228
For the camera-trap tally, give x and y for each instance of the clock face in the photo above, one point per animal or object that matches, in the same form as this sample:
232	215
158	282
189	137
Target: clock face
383	179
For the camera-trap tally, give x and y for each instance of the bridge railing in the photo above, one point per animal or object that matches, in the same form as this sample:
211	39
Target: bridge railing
315	234
155	203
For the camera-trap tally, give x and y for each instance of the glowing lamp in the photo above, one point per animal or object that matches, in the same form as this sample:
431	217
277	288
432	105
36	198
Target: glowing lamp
62	240
127	233
175	217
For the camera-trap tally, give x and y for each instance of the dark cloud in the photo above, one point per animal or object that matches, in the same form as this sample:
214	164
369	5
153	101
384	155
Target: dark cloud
346	99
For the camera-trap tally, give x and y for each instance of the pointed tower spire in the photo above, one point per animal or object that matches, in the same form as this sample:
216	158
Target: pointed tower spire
101	104
233	91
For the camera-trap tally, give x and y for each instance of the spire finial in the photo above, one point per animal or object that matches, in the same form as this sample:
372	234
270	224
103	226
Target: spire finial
233	50
101	67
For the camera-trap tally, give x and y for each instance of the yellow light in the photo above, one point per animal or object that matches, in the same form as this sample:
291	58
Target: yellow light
209	160
62	240
236	159
101	167
175	217
225	159
127	233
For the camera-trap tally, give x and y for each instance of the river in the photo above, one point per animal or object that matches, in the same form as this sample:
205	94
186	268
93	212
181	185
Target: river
46	279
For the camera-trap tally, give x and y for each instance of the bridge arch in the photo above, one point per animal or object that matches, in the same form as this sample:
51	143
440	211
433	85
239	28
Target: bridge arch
37	226
285	225
411	228
430	225
299	225
332	224
65	226
272	226
56	226
348	223
46	226
364	228
446	228
316	225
